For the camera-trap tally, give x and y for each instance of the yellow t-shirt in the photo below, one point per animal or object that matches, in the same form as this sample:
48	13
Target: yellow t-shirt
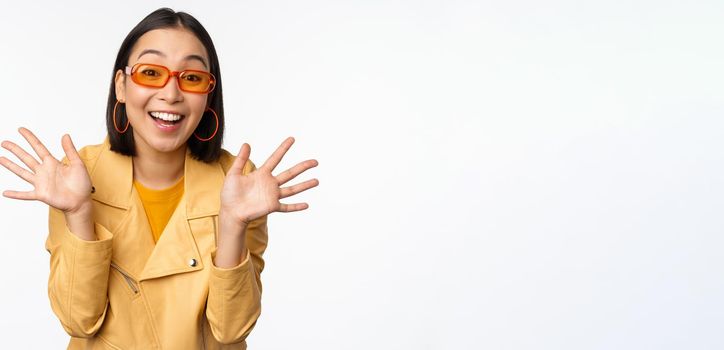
159	205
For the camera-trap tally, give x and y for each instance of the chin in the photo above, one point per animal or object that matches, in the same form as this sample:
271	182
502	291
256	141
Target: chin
159	143
167	145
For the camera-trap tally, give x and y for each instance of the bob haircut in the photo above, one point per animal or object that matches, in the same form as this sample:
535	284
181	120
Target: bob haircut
206	151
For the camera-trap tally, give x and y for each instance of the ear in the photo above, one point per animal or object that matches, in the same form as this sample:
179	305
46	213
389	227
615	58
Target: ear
120	81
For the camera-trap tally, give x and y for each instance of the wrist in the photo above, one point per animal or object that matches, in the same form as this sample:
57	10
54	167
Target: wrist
229	225
81	212
83	208
80	221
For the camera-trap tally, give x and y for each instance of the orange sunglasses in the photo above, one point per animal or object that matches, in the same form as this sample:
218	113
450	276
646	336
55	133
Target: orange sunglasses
156	76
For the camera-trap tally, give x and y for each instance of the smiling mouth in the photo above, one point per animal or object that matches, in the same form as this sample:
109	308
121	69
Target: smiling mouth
166	118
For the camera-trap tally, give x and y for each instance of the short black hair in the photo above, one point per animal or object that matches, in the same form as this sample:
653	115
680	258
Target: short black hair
206	151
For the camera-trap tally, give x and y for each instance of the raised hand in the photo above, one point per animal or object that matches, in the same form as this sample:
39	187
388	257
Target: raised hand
250	196
64	187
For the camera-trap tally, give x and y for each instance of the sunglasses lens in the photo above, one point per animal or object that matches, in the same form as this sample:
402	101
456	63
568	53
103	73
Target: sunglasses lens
157	76
195	81
150	75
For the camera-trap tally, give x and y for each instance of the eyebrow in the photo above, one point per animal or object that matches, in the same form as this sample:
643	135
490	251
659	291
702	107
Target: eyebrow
187	58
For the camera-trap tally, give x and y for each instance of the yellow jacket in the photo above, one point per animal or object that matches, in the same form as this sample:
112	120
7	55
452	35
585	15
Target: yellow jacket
125	292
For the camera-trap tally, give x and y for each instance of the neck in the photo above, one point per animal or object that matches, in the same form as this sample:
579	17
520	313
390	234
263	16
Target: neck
158	170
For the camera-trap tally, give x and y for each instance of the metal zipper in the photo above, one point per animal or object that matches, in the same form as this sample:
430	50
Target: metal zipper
129	280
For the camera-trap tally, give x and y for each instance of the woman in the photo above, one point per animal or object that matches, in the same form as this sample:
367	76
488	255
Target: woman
157	234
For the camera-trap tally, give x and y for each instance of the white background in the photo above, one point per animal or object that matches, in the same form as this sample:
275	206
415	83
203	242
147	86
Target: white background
494	174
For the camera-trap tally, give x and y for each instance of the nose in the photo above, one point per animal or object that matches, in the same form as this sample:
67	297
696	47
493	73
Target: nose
171	92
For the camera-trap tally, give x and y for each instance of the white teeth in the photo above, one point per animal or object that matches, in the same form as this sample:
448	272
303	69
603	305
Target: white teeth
166	116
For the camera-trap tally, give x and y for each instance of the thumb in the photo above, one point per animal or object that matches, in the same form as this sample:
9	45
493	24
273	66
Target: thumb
238	166
70	152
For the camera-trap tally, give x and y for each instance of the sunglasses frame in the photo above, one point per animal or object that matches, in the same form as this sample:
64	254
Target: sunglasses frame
134	68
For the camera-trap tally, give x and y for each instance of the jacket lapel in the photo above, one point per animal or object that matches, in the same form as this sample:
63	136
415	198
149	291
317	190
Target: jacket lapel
133	246
112	179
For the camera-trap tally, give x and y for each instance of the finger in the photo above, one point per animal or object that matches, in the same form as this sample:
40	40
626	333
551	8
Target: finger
22	195
238	166
291	173
25	157
37	146
293	207
17	170
69	148
292	190
276	157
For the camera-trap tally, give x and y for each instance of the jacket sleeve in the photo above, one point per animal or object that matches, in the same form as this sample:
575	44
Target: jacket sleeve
78	282
234	301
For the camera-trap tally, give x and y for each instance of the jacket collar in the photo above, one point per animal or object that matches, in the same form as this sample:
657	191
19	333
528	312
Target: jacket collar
112	178
133	248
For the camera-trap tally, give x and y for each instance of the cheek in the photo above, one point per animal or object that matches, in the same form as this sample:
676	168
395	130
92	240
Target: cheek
136	101
197	106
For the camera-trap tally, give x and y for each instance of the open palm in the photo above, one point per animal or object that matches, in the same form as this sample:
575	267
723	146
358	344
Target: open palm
66	187
250	196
